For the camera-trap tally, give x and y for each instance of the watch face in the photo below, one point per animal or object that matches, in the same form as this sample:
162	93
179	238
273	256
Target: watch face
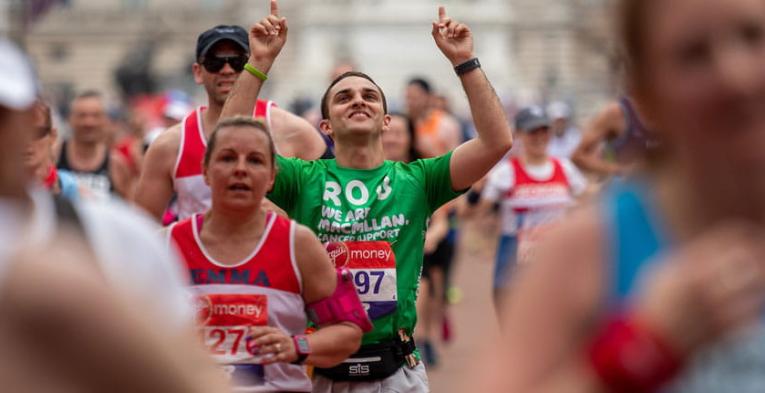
302	345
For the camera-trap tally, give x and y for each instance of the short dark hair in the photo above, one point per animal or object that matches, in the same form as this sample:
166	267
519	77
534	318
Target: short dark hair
422	83
92	93
325	97
238	121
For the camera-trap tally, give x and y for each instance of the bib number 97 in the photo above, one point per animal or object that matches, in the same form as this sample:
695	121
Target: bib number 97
368	280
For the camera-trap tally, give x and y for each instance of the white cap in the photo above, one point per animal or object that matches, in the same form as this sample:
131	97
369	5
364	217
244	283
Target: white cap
18	86
177	110
558	110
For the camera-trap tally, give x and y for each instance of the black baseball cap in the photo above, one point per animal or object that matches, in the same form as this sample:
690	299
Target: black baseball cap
219	33
531	118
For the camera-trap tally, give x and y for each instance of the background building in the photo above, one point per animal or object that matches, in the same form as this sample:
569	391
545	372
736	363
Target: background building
533	50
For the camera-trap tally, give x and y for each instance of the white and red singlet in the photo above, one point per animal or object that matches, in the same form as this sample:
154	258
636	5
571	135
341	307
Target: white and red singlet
265	288
193	194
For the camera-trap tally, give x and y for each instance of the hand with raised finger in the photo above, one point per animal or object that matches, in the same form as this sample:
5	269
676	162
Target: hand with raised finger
267	38
454	39
272	344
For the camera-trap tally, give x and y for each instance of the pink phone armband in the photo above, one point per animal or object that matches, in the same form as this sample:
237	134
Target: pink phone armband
343	306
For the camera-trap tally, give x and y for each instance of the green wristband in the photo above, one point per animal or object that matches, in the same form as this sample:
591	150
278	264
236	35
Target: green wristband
255	72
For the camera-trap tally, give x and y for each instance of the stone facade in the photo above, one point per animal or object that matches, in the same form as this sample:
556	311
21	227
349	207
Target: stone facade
529	48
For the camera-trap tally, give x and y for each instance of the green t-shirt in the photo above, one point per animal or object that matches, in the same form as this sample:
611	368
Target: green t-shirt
376	210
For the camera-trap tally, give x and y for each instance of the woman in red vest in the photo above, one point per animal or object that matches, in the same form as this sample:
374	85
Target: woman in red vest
256	274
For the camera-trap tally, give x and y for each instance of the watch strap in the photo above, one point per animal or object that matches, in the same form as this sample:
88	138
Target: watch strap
467	66
300	341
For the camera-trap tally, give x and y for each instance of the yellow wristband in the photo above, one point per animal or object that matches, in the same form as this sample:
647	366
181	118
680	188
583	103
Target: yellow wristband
255	72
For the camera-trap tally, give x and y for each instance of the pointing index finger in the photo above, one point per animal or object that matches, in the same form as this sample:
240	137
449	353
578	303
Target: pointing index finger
441	13
274	8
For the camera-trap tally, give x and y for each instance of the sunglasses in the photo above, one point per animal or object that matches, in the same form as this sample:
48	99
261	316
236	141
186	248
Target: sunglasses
216	63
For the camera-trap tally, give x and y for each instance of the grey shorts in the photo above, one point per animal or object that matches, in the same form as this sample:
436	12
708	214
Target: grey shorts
405	380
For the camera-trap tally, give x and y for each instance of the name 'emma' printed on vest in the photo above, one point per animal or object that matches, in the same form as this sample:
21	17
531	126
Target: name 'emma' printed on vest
355	192
213	276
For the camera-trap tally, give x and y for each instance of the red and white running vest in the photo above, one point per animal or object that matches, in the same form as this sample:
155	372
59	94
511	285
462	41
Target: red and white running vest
263	289
193	194
537	204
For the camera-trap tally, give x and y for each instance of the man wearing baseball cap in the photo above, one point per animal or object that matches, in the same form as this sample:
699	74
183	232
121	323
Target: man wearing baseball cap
173	163
70	290
533	189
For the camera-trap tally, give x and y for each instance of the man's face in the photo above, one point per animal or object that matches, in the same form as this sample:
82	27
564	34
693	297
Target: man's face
355	107
218	84
88	120
535	141
417	99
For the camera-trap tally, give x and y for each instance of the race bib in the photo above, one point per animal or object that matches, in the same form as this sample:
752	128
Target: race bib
226	320
373	266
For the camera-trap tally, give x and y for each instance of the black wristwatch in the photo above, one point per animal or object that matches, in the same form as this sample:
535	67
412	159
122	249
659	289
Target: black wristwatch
467	66
302	348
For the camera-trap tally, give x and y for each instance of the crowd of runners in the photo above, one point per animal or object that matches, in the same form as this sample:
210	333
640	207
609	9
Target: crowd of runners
246	248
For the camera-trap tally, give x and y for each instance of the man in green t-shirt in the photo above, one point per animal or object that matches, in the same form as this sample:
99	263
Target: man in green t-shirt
371	212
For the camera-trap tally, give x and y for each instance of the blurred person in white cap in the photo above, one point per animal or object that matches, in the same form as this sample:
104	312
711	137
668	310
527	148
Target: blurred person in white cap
174	161
565	136
70	323
173	113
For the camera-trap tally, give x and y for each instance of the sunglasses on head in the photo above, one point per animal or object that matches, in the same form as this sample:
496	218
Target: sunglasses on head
216	63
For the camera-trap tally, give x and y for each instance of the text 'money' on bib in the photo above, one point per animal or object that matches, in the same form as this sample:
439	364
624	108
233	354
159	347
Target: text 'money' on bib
373	266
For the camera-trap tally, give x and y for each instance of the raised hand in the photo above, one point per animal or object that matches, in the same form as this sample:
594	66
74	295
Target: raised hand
454	39
267	38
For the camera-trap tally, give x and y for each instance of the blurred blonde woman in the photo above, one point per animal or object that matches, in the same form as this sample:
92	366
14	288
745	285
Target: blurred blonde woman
661	286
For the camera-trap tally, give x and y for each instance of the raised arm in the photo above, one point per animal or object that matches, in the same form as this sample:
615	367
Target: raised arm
267	38
295	136
607	124
473	159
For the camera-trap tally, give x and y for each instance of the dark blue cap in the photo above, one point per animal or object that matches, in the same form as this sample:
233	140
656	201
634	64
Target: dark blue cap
220	33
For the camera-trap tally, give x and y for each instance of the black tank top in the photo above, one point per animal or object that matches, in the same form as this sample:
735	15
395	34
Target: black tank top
98	181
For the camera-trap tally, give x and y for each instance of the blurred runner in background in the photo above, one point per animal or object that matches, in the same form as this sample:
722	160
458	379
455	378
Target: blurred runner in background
90	300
